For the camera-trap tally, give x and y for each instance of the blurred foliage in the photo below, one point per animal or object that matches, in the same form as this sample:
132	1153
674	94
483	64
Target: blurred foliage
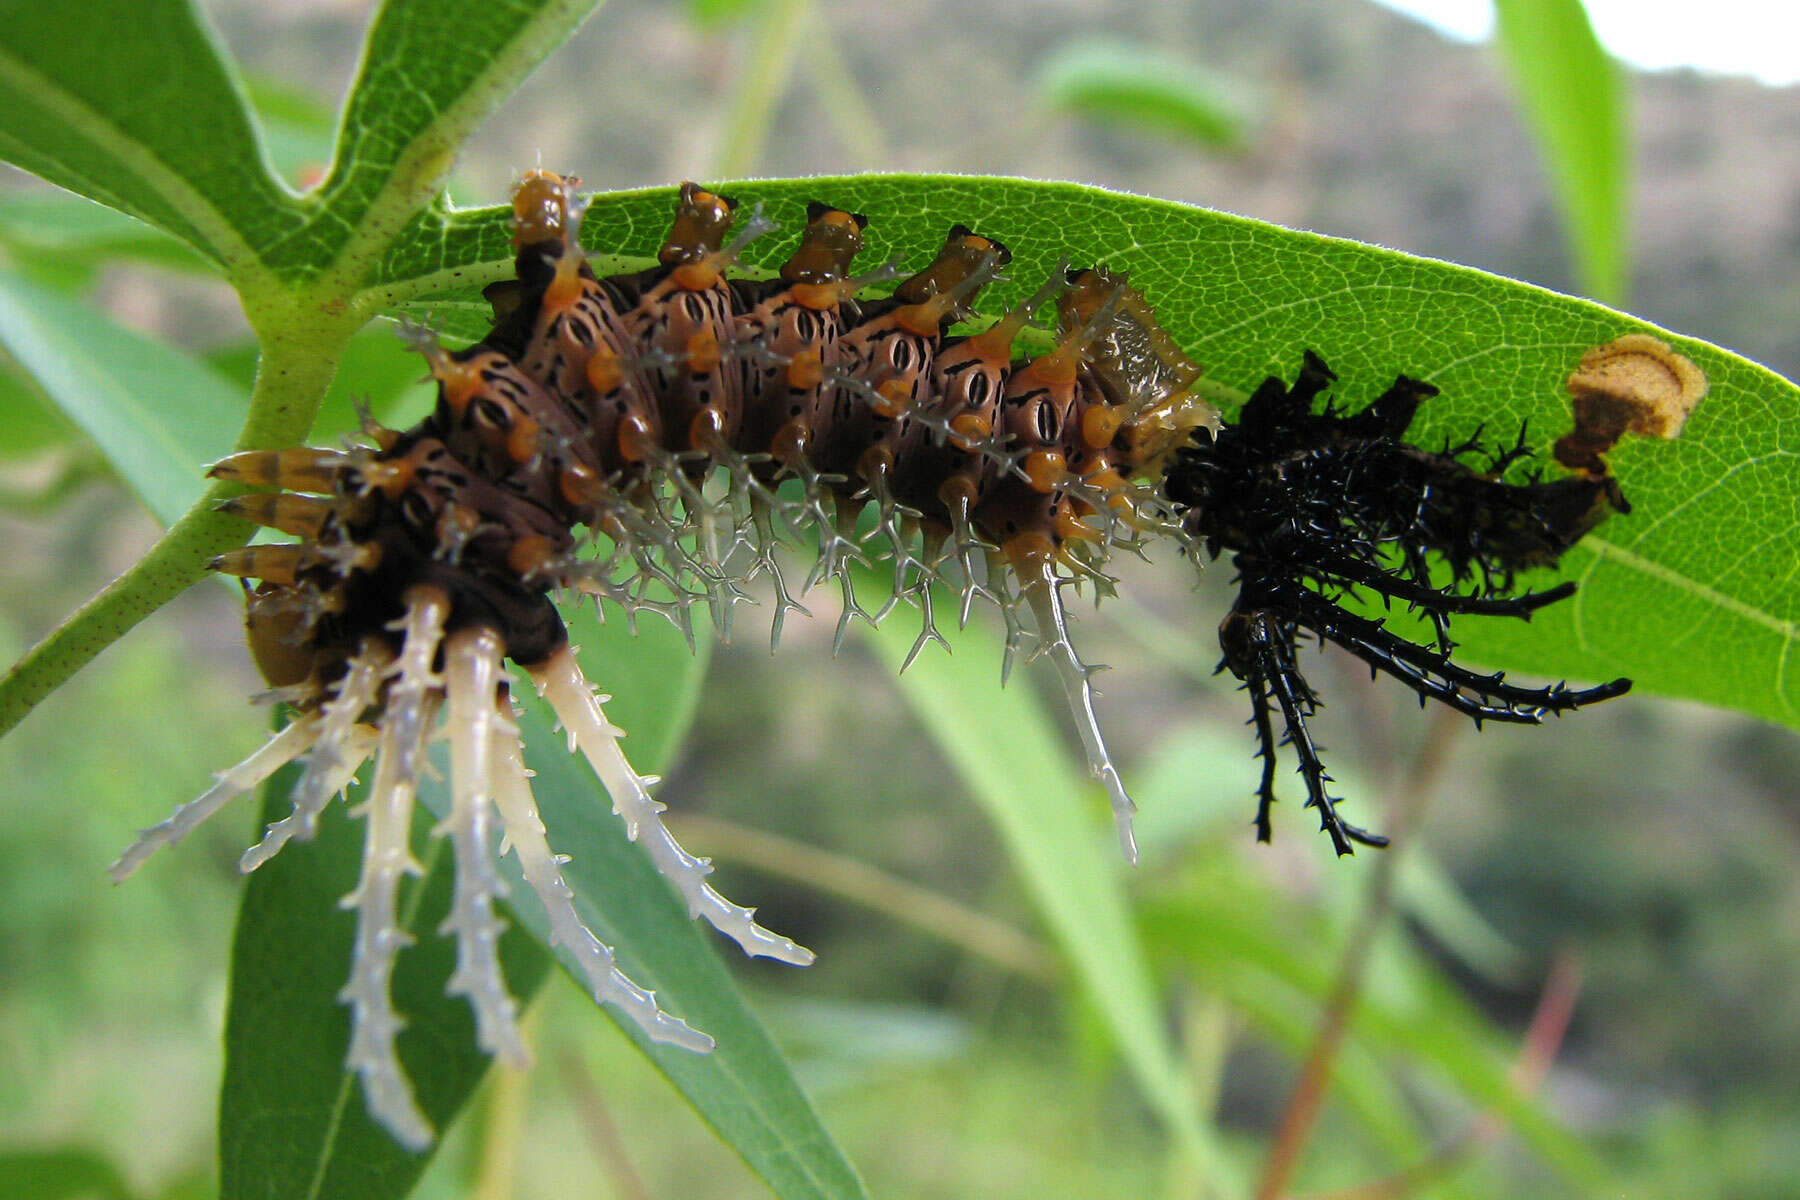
1571	92
939	1072
1125	86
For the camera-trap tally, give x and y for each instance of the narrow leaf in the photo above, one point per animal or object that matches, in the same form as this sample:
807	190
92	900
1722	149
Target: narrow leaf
1117	83
64	1173
130	102
432	71
1575	105
1010	756
155	413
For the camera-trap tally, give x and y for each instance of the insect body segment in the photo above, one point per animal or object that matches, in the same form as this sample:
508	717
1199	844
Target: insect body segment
651	439
685	422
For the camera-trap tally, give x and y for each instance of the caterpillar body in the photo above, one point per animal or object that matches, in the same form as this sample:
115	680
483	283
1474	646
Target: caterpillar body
685	423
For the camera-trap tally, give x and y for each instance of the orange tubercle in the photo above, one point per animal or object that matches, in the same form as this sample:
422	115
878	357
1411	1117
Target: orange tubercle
706	430
789	444
969	430
579	485
806	371
700	276
636	439
1070	527
896	398
529	554
1046	469
1099	424
565	288
702	355
603	374
522	441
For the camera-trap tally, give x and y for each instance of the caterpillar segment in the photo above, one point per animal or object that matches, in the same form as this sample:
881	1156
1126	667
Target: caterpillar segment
689	422
652	440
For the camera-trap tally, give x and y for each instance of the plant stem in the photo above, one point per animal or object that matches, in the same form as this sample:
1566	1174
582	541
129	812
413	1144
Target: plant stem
863	884
299	356
773	45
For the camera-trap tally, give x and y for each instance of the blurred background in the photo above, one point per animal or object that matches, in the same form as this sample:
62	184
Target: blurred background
1639	858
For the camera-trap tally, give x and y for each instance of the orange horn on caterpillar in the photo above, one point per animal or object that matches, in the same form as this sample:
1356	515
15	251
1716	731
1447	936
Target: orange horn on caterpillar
717	436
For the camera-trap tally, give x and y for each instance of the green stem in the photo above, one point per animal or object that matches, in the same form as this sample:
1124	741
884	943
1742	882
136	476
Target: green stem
298	361
765	79
840	99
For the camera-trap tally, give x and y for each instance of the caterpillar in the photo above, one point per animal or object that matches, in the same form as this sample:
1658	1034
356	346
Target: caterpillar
650	440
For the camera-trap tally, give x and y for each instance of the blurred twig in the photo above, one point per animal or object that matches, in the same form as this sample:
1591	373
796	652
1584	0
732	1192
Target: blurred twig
774	42
597	1123
1543	1038
503	1123
873	888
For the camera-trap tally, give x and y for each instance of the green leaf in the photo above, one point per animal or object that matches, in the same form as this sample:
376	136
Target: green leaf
432	70
75	232
291	1123
1064	850
1690	595
60	1174
155	414
130	103
1575	105
327	1146
1117	83
744	1088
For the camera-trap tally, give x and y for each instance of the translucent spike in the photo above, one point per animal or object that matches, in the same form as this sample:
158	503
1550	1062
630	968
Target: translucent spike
542	870
1016	634
762	520
1042	589
559	681
274	754
357	744
374	1024
339	749
415	688
473	668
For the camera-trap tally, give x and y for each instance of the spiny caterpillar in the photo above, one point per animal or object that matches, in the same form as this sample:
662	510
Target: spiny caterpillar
684	422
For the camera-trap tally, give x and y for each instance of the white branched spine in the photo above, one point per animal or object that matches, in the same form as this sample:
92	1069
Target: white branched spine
560	681
473	664
374	1024
1043	589
338	751
274	754
525	835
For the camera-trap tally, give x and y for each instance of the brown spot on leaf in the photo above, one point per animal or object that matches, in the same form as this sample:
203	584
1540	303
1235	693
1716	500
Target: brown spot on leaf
1632	384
